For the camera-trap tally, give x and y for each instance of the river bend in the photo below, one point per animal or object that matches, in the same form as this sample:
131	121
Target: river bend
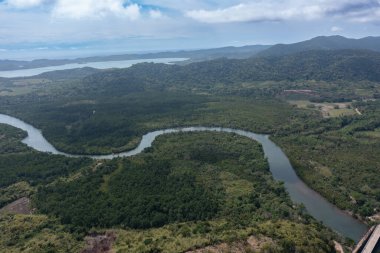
280	167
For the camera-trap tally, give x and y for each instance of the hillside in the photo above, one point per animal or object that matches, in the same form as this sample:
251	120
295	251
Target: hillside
324	43
67	74
353	65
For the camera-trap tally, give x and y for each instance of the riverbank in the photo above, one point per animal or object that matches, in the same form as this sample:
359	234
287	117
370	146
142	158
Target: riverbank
279	164
342	167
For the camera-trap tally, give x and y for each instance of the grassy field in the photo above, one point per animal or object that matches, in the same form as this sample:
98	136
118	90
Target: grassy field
327	110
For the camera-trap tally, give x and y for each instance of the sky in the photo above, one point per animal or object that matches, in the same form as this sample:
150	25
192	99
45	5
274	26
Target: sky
71	28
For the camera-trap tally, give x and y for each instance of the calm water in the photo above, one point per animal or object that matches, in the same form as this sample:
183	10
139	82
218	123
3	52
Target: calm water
280	167
97	65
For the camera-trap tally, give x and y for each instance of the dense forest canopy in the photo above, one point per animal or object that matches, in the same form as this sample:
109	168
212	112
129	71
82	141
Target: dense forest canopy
320	106
183	177
350	65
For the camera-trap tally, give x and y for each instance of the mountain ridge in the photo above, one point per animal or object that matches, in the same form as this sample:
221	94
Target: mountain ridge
320	43
335	42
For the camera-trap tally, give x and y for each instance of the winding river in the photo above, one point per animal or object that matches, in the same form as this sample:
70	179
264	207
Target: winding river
280	167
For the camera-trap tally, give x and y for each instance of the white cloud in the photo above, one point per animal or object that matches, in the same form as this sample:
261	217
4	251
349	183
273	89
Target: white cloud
78	9
183	5
211	11
156	14
256	12
24	3
51	22
38	26
271	10
365	16
336	29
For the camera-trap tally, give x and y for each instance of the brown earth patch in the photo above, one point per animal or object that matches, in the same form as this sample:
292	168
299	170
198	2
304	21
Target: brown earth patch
252	244
20	206
375	218
338	247
99	243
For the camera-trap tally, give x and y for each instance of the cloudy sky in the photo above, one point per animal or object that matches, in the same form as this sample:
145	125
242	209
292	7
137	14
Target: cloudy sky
31	28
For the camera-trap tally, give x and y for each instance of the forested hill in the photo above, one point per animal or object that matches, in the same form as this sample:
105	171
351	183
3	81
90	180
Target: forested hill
68	73
324	43
352	65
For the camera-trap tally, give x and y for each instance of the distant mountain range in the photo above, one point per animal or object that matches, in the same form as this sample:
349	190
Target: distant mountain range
194	55
323	43
318	43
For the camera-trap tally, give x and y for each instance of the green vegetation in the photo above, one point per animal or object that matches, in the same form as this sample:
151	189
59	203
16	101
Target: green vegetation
41	168
30	233
327	110
20	163
109	111
179	179
323	43
14	192
112	124
284	236
320	65
193	190
219	183
10	140
340	158
35	233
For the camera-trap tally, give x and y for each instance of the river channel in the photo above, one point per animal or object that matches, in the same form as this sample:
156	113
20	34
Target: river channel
280	167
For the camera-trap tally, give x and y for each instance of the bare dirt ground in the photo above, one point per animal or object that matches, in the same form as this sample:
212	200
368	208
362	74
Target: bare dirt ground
20	206
99	243
375	218
338	247
327	110
251	244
